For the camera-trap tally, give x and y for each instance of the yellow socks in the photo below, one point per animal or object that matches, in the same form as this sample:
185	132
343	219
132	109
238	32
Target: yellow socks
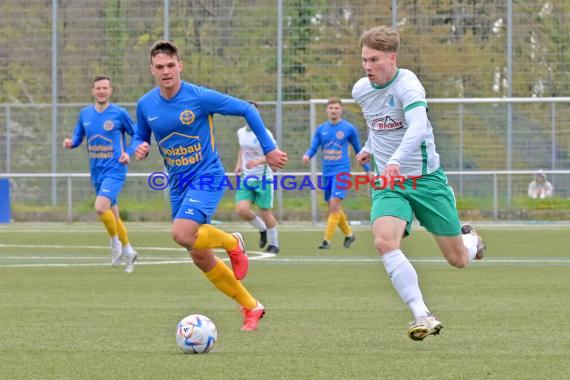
122	231
223	278
343	224
108	219
211	237
332	222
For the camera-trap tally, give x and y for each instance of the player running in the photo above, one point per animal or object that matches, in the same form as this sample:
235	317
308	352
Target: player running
181	117
252	166
105	124
333	137
401	140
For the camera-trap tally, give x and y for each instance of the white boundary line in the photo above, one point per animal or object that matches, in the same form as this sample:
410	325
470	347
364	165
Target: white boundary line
259	256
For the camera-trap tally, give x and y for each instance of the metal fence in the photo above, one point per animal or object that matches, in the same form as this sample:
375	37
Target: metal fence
284	53
484	197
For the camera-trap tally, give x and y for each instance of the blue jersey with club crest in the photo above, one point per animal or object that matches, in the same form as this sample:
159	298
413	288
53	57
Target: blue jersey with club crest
105	134
333	139
183	128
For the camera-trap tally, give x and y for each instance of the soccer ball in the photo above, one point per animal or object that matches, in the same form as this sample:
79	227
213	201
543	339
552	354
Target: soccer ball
196	334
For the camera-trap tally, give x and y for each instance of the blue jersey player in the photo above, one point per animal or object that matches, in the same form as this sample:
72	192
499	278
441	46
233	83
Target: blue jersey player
333	137
180	115
104	125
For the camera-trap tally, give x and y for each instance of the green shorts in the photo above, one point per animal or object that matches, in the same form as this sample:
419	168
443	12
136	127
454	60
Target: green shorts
432	202
259	193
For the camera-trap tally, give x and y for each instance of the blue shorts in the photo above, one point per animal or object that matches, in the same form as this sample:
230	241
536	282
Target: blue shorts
196	205
334	188
109	187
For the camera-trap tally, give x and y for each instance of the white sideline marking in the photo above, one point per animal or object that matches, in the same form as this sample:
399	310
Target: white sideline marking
140	261
266	257
57	246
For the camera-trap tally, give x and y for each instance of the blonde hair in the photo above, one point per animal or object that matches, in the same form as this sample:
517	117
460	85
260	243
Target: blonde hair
333	100
381	38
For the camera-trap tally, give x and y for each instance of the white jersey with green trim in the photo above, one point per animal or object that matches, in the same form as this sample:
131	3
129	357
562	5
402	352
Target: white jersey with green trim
251	150
384	109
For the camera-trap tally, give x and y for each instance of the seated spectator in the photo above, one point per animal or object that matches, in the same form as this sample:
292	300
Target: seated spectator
540	188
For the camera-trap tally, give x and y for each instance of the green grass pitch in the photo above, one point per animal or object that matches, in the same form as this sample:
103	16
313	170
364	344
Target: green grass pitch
65	313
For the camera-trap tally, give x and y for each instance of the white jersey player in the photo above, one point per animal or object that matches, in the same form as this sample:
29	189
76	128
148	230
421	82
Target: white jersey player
256	187
401	140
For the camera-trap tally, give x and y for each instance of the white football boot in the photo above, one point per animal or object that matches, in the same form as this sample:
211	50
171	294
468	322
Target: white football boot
424	326
116	251
129	257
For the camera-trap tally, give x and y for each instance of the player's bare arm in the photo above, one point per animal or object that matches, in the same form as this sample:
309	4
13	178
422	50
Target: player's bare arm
253	163
238	169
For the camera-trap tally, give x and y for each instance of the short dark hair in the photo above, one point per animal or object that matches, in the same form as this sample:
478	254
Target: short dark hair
164	47
100	77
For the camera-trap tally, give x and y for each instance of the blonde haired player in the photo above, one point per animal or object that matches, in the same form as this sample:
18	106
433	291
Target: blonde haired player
401	140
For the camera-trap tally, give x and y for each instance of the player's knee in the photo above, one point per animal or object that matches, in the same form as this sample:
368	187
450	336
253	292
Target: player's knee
183	238
242	210
458	260
100	209
384	245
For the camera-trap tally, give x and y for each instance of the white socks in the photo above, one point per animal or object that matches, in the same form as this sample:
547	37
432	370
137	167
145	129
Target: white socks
272	236
470	243
405	281
258	223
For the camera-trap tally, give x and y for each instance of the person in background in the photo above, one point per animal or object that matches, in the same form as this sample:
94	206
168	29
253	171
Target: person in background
540	187
251	162
105	124
333	137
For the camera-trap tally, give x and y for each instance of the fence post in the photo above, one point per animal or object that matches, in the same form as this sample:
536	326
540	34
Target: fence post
69	200
553	143
495	197
313	122
8	140
461	148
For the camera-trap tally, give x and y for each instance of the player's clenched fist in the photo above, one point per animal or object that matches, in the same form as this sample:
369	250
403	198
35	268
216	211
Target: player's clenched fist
363	157
67	144
142	151
276	159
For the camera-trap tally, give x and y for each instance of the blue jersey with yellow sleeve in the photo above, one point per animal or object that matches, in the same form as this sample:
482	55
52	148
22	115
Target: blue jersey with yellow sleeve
183	128
333	139
105	134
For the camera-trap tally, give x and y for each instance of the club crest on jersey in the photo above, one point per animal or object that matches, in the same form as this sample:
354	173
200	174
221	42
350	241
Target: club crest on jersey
187	117
385	123
108	125
340	135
